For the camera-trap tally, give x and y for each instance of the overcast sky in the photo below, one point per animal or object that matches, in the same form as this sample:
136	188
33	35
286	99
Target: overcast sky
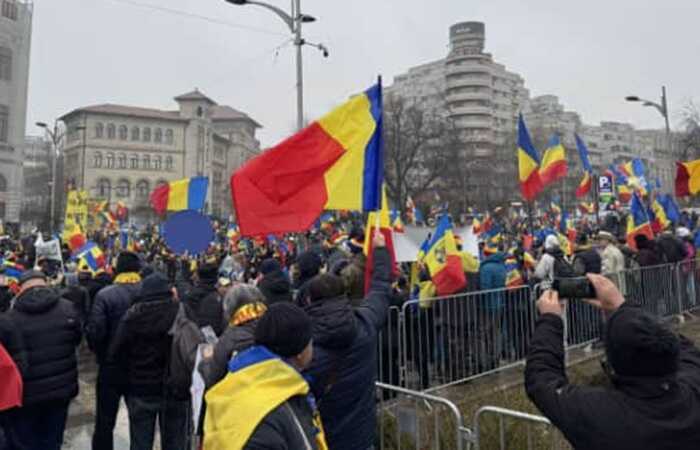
590	53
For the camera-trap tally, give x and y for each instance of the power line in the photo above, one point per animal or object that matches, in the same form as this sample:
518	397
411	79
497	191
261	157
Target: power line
190	15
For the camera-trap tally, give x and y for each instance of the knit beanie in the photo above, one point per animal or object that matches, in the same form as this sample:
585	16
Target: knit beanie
275	286
208	273
128	262
637	344
269	265
309	264
155	285
284	329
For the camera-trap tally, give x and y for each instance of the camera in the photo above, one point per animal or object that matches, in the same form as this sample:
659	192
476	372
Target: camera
574	288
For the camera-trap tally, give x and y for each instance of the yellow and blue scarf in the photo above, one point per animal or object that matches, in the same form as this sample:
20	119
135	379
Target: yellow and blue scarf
258	382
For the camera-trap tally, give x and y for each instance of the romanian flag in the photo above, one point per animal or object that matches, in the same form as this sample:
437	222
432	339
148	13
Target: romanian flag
671	209
12	272
99	207
335	163
90	258
513	276
586	208
529	261
554	165
528	163
232	233
73	236
382	219
397	225
188	193
638	222
567	233
443	260
584	187
122	211
657	215
108	219
687	178
624	193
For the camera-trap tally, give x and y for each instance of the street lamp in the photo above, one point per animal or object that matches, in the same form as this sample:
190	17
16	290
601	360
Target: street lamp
293	22
662	108
56	136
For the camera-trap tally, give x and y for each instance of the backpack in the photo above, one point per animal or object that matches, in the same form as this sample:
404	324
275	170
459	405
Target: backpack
562	268
186	337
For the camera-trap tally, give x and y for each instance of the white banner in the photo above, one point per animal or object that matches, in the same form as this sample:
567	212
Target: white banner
48	249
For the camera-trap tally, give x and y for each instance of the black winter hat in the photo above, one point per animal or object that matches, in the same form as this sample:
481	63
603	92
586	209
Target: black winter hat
269	265
275	286
128	262
309	264
326	286
155	285
208	272
285	329
637	344
31	275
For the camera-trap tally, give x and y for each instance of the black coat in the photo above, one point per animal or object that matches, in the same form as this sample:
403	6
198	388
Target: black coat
234	339
144	345
279	431
637	414
110	305
587	261
203	306
12	340
50	329
344	366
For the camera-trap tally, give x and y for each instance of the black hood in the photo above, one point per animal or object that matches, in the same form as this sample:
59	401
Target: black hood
37	300
152	316
275	287
333	322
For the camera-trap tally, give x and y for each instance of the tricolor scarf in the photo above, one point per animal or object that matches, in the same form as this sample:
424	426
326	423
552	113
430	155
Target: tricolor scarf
258	382
247	313
127	278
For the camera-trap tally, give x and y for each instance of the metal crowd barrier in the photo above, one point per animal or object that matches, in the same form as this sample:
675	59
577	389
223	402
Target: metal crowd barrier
514	430
434	343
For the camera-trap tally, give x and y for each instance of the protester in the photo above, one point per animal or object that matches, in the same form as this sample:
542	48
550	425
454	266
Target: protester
647	252
586	258
144	343
274	285
492	276
203	303
111	303
344	369
553	263
654	399
308	266
50	331
244	305
264	402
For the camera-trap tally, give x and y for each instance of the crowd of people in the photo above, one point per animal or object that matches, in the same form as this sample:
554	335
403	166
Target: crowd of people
281	330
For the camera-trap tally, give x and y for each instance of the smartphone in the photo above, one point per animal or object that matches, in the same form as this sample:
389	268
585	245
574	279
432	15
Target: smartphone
574	288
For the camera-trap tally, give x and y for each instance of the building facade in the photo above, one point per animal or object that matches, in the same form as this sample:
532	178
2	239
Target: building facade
15	42
36	176
121	153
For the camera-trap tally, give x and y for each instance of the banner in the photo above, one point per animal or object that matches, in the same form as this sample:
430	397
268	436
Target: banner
77	208
48	249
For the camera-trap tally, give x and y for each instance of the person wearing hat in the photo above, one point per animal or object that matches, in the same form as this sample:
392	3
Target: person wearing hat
50	329
109	306
264	402
308	265
144	344
203	302
653	402
612	259
586	258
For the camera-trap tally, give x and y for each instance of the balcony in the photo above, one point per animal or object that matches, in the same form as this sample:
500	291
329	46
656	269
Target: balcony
454	82
464	110
469	67
473	122
462	96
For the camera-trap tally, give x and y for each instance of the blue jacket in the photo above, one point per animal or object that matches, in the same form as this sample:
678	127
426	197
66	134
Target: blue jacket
344	368
492	275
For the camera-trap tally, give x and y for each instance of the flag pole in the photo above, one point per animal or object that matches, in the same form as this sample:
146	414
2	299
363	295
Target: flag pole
380	125
596	198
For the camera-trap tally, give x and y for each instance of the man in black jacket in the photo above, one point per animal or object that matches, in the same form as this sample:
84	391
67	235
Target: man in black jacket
203	303
344	367
109	307
144	343
50	329
654	402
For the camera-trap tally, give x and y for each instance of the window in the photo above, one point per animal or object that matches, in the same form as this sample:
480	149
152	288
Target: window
143	189
99	130
123	188
97	160
146	162
122	161
147	135
3	184
134	161
158	163
169	138
123	132
5	64
111	131
110	160
135	133
158	135
168	163
103	188
9	9
4	122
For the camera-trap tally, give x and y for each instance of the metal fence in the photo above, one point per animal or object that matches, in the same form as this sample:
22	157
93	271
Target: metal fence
434	343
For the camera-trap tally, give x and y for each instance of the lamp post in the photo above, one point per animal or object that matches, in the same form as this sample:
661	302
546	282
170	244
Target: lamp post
293	22
56	134
662	108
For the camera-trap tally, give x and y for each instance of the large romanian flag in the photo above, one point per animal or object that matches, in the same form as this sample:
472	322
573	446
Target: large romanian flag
443	260
554	165
687	178
638	222
336	163
528	163
188	193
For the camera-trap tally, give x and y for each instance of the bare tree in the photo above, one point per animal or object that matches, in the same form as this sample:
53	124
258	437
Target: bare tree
419	144
689	140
